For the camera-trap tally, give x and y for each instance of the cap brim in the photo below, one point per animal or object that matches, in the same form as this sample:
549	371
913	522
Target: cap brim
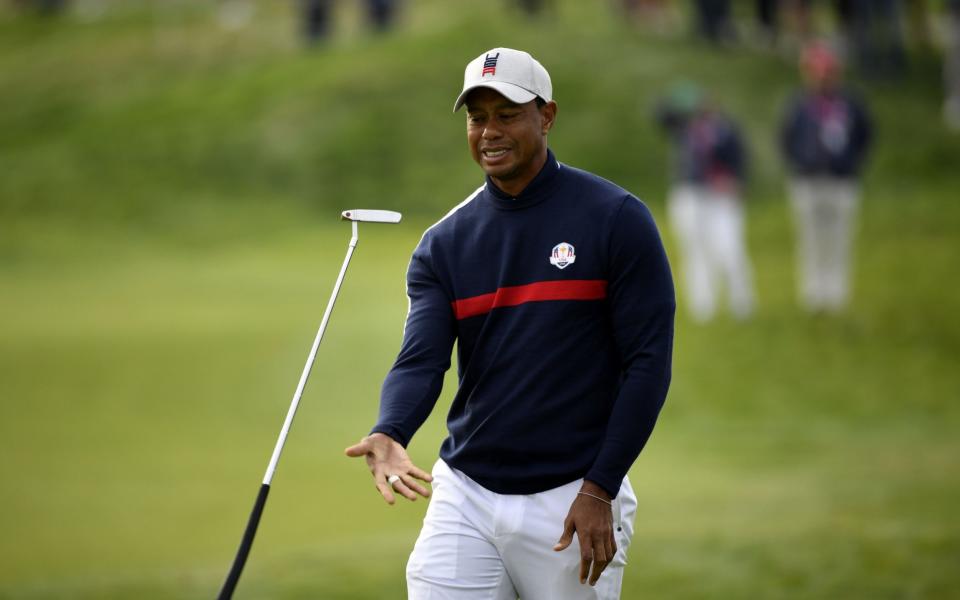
511	92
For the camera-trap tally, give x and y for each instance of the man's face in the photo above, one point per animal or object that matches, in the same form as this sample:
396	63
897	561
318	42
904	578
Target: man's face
821	70
508	141
822	79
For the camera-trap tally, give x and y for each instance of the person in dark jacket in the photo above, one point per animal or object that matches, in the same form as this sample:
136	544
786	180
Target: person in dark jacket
705	204
555	287
317	19
714	20
381	14
825	136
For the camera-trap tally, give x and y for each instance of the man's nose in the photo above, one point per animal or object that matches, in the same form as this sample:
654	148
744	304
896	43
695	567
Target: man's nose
490	132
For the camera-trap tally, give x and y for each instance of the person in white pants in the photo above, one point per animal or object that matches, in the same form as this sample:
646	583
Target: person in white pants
705	208
554	286
825	137
709	225
477	544
825	210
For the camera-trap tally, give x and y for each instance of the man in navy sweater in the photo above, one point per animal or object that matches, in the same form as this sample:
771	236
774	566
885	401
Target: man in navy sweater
555	286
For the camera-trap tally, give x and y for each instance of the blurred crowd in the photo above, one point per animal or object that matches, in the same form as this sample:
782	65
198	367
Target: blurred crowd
872	36
318	17
824	136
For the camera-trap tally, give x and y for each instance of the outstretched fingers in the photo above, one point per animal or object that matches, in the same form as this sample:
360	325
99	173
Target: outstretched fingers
400	486
392	470
385	489
361	448
420	473
415	486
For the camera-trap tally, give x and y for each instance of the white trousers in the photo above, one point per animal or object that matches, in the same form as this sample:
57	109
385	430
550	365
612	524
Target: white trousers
479	545
825	211
709	227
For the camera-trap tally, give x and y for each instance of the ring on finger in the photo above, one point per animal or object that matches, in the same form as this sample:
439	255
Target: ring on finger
392	479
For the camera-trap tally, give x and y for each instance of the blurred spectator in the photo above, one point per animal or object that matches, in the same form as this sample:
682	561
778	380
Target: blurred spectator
713	20
843	11
951	66
768	19
784	22
874	33
316	19
705	207
532	8
825	136
381	13
46	7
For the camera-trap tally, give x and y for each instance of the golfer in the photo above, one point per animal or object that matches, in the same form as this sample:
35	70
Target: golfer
555	287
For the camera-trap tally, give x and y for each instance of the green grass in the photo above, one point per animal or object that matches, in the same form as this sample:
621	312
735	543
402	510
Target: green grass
167	247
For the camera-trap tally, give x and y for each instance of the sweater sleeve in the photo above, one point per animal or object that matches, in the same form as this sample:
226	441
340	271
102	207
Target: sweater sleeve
642	307
413	384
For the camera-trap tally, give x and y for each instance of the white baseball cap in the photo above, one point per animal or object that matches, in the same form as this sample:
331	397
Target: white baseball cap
513	73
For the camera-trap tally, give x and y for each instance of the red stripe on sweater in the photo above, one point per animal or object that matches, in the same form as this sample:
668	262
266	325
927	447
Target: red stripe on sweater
572	289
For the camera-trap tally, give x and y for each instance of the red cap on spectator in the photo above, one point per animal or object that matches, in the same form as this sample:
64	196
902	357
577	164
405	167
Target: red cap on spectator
819	61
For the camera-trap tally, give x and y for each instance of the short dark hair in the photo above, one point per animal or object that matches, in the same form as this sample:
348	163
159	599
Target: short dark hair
540	102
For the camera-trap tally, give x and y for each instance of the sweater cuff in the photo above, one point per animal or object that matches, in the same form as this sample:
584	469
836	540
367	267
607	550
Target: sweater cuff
609	486
392	432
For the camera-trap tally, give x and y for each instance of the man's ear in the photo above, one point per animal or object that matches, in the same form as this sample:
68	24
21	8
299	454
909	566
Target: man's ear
548	115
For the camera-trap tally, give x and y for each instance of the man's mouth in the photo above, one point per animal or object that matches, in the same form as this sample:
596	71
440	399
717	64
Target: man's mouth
493	152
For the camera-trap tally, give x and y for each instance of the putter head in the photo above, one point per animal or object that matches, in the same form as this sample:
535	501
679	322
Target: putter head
366	215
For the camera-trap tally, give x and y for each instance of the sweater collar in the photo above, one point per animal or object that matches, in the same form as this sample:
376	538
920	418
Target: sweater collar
536	191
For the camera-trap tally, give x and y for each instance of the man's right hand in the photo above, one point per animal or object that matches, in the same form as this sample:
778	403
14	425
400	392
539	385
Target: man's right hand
386	457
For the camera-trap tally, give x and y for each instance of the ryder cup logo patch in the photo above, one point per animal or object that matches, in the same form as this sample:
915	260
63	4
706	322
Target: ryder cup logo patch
490	65
562	255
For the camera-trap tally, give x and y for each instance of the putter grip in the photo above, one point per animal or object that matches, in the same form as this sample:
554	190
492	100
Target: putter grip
226	593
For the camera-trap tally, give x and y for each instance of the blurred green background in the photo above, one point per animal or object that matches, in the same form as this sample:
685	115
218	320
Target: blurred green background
170	179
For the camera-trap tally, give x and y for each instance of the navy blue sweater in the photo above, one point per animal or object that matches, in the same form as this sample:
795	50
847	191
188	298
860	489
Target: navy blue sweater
561	302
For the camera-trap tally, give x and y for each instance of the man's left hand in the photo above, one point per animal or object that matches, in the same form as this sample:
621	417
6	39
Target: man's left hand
591	517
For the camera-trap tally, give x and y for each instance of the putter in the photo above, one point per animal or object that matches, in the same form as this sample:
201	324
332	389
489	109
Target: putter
354	216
